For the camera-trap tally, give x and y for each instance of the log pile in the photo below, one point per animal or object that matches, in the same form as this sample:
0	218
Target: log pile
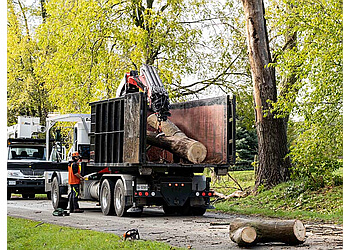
175	141
248	232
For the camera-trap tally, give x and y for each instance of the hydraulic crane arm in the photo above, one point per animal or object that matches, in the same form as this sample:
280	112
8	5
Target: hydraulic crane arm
149	82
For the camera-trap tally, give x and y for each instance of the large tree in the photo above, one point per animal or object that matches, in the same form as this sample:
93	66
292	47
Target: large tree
310	66
307	42
26	93
273	166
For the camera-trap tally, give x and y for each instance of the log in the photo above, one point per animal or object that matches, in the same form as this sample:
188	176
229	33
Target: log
168	128
186	148
291	232
235	194
175	141
244	236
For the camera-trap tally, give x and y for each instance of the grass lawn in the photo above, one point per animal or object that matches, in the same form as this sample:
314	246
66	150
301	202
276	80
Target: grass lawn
287	200
27	234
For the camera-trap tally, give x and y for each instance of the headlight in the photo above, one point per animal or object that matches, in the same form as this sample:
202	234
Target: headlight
14	173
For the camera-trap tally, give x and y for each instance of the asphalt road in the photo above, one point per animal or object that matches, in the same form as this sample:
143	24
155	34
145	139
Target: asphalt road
196	232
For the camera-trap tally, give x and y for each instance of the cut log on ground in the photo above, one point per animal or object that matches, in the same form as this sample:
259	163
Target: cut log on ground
244	236
291	232
175	141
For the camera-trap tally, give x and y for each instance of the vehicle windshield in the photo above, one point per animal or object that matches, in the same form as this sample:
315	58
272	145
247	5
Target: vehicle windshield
27	152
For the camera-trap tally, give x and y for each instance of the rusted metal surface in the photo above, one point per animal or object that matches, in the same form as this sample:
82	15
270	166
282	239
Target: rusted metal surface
118	130
205	121
134	135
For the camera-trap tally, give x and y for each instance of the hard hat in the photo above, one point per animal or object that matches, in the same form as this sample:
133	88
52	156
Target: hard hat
75	154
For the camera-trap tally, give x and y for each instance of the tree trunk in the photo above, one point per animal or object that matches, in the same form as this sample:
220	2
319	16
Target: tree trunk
291	232
273	165
175	141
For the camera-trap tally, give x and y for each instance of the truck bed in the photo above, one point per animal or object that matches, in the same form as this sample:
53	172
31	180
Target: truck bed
118	134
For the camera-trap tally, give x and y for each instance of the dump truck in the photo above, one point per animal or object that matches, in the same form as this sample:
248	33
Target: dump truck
125	172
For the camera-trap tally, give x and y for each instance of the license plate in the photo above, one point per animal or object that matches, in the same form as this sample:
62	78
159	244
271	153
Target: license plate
12	183
141	187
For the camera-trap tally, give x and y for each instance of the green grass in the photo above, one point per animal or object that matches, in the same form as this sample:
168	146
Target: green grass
27	234
287	200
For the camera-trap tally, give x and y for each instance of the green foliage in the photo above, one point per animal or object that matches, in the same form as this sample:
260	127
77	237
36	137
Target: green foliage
27	234
246	146
81	50
26	94
314	98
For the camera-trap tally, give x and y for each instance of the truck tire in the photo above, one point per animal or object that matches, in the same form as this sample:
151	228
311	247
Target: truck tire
106	197
56	198
168	210
25	196
8	194
198	211
119	198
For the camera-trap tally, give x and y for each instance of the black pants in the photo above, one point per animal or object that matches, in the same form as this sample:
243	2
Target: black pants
73	197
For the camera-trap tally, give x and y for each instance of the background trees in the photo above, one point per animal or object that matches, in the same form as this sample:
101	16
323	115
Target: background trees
64	54
25	88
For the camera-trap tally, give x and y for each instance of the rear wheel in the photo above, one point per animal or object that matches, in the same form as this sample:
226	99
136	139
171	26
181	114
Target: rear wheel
119	198
168	210
56	199
31	196
106	197
198	211
8	194
25	196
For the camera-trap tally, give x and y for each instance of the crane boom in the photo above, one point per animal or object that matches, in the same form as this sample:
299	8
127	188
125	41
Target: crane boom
149	82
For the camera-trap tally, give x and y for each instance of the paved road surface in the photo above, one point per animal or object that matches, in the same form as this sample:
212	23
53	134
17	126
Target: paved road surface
197	232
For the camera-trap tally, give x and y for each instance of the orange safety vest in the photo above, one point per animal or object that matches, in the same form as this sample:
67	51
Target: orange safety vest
72	179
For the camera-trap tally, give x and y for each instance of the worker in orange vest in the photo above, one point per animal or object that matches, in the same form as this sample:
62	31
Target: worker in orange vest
74	178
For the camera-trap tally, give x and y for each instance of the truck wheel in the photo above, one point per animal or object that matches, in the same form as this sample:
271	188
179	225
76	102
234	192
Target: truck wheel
198	211
106	197
185	209
8	194
168	210
31	196
25	196
119	198
57	200
48	195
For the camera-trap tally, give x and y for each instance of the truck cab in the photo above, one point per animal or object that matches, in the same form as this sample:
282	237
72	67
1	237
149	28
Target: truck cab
27	158
25	167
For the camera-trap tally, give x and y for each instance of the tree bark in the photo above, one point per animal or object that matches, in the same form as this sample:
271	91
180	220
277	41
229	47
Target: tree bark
291	232
183	147
175	141
273	165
